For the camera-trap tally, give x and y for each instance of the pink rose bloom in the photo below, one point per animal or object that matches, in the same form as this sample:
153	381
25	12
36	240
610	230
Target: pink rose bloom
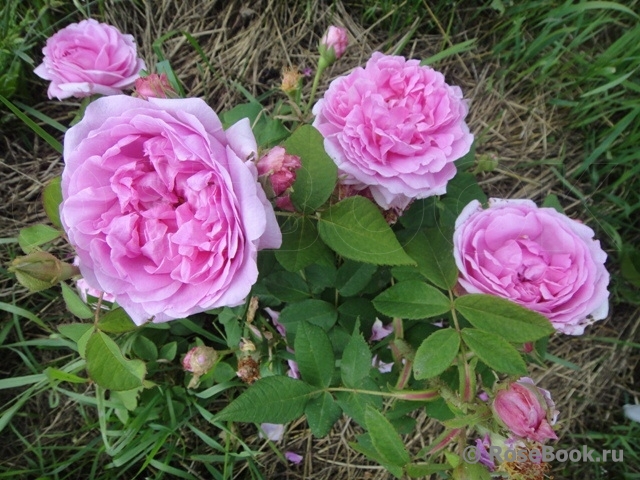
280	167
536	257
395	127
155	86
526	410
336	38
89	58
163	207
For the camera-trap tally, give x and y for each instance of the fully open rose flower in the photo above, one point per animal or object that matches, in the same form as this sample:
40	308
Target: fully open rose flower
162	206
395	127
526	410
89	58
536	257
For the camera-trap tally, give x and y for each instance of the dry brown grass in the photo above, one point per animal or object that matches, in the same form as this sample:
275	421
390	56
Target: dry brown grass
250	43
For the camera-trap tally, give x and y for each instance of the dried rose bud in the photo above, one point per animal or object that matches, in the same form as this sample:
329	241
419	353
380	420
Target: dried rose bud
290	80
41	270
199	360
154	86
248	370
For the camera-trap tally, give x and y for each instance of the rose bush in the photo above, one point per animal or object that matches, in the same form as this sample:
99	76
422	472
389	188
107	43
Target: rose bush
89	58
396	127
163	206
536	257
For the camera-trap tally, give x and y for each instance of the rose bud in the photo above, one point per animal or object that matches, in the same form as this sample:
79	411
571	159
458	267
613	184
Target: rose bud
333	43
41	270
154	86
199	360
526	410
280	167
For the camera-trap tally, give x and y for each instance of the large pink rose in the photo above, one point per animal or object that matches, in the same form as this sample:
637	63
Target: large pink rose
536	257
89	58
395	127
163	207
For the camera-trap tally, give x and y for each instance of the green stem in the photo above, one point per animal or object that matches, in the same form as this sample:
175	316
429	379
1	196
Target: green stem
322	64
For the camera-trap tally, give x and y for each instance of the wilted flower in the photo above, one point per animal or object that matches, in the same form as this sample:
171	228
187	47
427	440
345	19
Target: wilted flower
383	367
154	86
89	58
536	257
199	360
290	80
526	410
482	448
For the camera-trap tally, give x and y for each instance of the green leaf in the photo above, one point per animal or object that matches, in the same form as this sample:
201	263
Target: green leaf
385	439
494	351
116	321
461	190
276	399
74	303
316	312
145	349
42	133
356	229
51	200
301	244
355	403
436	353
353	277
322	413
356	360
287	286
74	331
365	447
314	355
316	178
168	351
412	300
31	237
108	367
503	317
432	250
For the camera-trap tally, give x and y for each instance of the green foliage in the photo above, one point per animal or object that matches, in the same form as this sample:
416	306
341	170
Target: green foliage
412	300
314	355
494	351
436	353
322	413
301	244
355	229
108	367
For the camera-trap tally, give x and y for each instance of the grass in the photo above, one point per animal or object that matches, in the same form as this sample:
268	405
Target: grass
570	66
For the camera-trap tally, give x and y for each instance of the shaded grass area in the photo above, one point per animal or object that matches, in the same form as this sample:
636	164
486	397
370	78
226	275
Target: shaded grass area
553	99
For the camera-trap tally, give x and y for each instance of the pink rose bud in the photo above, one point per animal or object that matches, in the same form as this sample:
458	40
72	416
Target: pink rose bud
280	167
335	38
199	360
526	410
155	86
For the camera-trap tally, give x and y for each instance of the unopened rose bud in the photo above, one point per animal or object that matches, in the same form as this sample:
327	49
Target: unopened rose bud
334	43
199	360
41	270
154	86
290	80
526	410
280	167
